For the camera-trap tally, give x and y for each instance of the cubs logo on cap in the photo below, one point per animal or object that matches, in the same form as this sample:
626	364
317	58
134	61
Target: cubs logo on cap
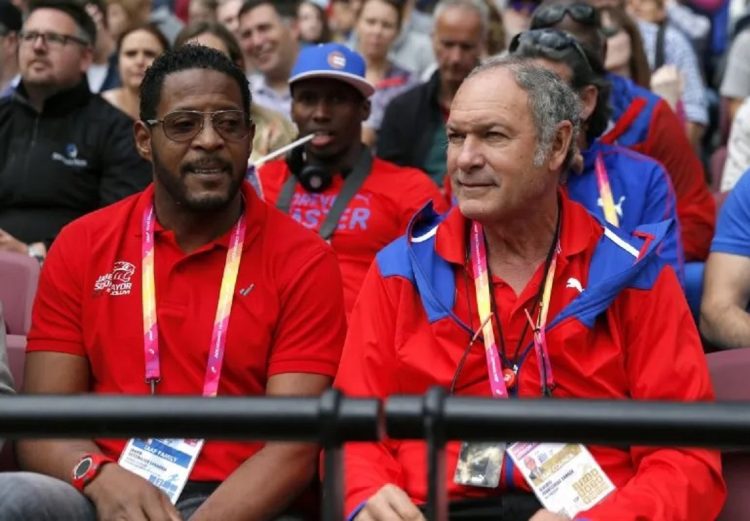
332	61
336	60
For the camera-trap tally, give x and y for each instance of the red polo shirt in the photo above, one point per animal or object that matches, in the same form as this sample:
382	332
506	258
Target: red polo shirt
376	215
287	313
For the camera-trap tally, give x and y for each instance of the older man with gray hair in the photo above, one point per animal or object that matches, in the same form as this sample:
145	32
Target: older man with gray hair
519	292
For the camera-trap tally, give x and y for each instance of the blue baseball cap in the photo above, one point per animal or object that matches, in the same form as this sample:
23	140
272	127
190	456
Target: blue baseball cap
334	61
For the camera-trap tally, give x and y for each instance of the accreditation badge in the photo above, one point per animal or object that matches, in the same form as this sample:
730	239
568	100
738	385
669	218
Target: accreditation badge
480	464
165	463
564	476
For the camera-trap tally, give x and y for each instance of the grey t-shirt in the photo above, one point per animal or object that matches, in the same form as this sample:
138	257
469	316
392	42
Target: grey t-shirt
736	82
6	379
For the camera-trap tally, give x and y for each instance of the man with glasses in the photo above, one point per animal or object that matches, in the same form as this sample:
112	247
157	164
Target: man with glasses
518	292
191	287
620	187
10	24
643	122
63	151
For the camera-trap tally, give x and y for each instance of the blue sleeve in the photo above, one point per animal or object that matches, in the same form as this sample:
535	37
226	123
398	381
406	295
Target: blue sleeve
733	226
661	205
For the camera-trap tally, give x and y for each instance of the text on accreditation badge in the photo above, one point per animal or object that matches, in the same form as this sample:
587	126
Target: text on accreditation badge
165	463
564	476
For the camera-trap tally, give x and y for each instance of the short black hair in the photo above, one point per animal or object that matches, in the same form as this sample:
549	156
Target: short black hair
284	8
185	58
72	9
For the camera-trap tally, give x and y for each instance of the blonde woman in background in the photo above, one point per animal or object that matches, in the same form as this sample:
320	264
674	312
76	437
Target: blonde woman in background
272	130
137	48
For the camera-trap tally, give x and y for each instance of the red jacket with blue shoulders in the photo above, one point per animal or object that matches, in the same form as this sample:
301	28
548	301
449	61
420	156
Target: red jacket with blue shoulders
645	123
416	314
641	190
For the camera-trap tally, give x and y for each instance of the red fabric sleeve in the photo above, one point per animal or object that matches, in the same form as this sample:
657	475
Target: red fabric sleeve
57	312
696	209
312	325
665	361
365	370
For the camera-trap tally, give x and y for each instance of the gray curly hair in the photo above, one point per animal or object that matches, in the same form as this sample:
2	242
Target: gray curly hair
551	102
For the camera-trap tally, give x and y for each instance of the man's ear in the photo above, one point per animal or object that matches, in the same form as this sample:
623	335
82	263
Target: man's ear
588	96
143	140
366	109
560	145
87	58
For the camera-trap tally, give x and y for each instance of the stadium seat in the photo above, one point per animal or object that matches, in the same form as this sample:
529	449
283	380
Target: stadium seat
729	370
19	275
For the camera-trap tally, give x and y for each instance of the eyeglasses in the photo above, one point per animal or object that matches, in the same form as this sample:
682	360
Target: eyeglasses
184	125
549	15
50	39
551	39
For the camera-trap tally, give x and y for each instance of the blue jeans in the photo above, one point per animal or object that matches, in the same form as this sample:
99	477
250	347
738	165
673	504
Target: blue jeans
26	496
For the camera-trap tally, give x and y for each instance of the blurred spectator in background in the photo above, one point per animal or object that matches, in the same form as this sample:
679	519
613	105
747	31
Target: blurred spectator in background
202	11
342	17
102	74
137	49
272	130
625	54
227	14
412	49
378	26
496	39
269	36
413	129
735	86
63	151
725	320
312	23
682	79
517	16
123	14
643	122
738	149
10	24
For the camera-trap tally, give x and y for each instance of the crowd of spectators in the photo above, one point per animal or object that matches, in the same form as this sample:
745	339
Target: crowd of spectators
477	171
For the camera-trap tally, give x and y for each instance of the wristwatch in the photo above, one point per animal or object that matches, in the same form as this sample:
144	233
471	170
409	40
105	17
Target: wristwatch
87	468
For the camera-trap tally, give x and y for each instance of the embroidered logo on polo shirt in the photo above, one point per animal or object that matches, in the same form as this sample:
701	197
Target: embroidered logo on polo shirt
117	282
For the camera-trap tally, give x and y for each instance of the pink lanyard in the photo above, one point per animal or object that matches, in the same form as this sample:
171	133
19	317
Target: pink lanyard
223	308
482	286
605	192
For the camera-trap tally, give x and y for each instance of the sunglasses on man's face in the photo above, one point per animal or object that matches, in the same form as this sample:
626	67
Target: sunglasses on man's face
551	39
551	15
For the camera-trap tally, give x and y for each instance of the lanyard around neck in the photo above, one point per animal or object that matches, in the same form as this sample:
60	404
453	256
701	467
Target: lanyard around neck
605	192
223	308
483	289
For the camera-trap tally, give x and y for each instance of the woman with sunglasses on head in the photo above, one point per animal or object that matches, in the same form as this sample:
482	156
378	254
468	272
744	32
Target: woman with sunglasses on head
137	49
642	121
625	189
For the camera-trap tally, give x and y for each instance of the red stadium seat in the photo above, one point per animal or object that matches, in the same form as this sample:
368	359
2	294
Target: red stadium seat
729	370
19	275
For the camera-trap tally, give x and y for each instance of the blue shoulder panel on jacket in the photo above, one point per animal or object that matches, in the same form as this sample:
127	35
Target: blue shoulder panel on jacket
624	92
413	257
616	266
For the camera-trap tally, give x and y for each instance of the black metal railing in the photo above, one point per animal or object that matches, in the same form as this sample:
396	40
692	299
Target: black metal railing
333	419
